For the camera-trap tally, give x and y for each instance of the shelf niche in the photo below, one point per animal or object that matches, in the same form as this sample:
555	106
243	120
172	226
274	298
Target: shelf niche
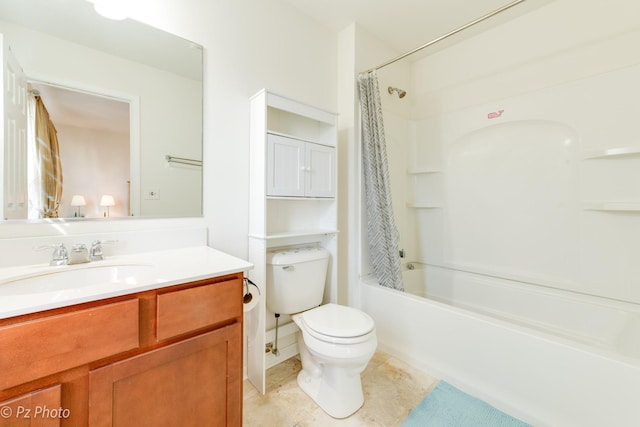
609	153
613	206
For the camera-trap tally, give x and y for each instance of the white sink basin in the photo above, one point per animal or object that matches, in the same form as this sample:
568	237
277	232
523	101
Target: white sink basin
30	288
69	277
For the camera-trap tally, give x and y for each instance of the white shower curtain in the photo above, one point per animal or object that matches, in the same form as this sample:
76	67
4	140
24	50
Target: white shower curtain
381	227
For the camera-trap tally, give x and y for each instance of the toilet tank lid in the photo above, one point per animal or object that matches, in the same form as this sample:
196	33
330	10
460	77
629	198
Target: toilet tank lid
297	255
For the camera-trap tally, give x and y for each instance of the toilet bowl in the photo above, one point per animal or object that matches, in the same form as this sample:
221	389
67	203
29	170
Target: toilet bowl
335	344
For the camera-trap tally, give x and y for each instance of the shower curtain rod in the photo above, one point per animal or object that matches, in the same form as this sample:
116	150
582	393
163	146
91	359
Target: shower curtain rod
449	34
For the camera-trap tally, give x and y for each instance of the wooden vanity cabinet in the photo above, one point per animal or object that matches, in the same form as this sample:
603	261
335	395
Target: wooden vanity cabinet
167	357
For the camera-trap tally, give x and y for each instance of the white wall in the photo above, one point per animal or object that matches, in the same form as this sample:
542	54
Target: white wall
248	45
561	41
542	49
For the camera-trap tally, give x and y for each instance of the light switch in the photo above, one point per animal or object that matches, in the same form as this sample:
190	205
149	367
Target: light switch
152	194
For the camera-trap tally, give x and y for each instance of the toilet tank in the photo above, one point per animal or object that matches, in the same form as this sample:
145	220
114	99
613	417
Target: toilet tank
295	279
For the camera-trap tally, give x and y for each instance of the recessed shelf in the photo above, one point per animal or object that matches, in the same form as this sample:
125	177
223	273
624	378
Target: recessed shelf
612	152
300	112
424	205
296	198
421	171
289	234
287	135
612	206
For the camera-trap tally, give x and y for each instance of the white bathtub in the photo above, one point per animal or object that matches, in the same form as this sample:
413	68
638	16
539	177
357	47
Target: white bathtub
548	357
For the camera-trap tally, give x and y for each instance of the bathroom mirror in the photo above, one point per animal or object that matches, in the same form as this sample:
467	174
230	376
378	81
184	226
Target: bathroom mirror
78	59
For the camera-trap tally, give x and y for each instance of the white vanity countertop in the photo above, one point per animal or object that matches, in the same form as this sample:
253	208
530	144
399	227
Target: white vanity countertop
140	272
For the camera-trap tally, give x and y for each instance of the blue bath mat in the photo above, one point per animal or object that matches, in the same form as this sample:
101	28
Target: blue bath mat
446	406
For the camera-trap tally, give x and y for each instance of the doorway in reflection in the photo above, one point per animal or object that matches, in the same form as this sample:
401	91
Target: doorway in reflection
94	147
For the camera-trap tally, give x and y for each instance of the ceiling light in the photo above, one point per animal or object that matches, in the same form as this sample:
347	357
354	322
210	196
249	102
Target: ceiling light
112	9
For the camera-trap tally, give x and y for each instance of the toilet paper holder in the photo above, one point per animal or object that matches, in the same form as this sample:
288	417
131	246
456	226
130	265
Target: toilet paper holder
247	297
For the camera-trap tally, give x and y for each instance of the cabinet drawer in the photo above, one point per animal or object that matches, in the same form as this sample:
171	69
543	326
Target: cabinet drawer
190	309
41	347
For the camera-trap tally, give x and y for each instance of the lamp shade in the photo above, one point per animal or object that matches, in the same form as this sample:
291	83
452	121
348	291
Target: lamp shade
107	200
78	200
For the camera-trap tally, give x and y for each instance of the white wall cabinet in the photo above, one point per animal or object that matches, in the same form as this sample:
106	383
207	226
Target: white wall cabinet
292	191
297	168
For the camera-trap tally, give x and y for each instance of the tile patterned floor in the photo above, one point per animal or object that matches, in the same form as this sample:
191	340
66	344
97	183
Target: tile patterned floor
391	389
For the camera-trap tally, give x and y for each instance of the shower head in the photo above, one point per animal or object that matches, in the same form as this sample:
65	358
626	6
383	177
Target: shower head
401	93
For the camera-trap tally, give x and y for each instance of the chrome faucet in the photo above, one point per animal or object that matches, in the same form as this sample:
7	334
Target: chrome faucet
96	253
60	254
79	254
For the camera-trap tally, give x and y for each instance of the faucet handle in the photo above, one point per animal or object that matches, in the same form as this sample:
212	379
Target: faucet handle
60	253
96	253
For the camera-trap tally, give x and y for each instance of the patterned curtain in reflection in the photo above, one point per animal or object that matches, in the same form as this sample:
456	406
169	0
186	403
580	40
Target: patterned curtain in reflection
48	162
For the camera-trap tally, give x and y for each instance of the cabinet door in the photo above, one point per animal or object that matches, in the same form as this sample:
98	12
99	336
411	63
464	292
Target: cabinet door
196	382
320	171
285	166
41	408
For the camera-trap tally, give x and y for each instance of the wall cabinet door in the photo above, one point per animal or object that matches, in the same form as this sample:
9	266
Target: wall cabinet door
285	166
319	173
298	168
196	382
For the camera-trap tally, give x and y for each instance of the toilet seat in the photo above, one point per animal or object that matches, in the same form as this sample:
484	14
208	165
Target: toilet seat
337	324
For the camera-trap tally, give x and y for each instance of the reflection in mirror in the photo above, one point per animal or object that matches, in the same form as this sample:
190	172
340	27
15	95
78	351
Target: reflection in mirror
122	96
93	138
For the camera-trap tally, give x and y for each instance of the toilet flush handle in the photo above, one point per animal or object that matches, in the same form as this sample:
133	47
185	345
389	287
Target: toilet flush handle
288	268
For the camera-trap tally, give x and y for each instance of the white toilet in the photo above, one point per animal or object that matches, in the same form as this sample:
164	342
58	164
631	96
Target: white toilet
335	342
